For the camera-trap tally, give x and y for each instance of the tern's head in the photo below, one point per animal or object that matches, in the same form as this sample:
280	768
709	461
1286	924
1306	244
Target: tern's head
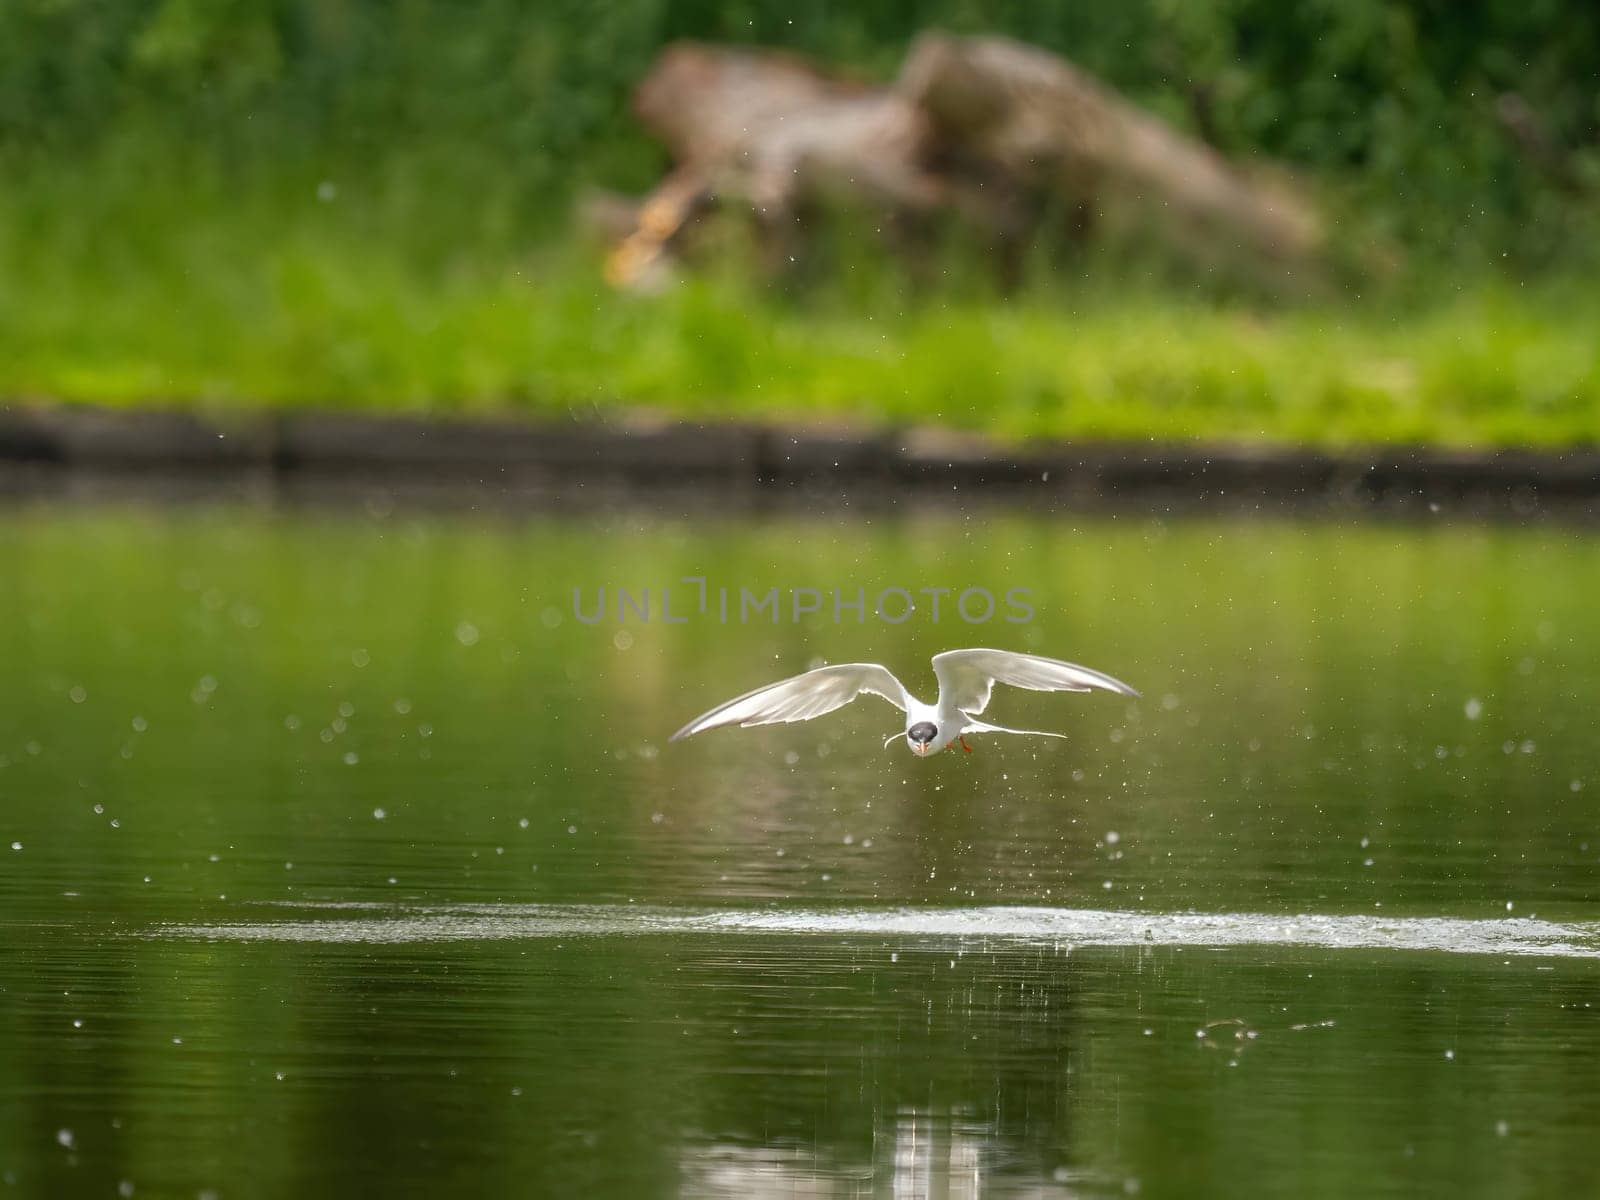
923	737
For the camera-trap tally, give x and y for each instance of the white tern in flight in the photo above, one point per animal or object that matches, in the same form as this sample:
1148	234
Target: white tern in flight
966	677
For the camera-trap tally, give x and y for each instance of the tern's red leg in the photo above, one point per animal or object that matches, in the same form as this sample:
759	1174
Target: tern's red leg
964	745
947	745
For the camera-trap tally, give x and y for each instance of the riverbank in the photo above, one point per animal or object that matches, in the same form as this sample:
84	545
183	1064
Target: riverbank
1496	365
313	237
216	298
40	445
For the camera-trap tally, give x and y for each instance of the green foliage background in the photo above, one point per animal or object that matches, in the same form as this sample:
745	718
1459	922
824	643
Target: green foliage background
337	201
1396	98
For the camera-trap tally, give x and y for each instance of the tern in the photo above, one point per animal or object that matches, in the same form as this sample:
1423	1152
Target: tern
966	678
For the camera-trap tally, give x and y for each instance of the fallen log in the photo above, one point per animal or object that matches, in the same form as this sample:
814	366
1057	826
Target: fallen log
995	131
1034	118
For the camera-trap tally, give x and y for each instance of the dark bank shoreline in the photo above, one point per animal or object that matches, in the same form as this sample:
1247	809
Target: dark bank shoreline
46	447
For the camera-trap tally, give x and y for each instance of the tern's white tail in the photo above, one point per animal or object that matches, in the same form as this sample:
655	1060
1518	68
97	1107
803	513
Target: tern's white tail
980	727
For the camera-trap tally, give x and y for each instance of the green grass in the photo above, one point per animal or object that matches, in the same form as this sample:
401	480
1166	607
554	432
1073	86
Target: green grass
185	290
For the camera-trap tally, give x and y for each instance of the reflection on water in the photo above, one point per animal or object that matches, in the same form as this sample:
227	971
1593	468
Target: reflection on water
917	1154
832	1064
336	858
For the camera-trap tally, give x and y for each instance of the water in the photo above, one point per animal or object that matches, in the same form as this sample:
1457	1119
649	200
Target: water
349	861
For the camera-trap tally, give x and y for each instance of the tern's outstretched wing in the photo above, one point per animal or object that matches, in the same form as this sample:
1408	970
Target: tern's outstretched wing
966	677
802	697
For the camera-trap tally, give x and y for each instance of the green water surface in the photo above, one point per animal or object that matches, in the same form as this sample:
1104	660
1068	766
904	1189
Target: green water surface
386	731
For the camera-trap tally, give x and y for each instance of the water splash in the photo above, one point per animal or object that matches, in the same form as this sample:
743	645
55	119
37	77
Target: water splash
389	924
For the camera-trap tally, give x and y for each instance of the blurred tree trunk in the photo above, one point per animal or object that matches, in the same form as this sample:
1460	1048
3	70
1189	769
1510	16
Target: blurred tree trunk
992	130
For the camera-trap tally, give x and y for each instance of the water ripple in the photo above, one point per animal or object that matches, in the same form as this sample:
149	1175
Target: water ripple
385	924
